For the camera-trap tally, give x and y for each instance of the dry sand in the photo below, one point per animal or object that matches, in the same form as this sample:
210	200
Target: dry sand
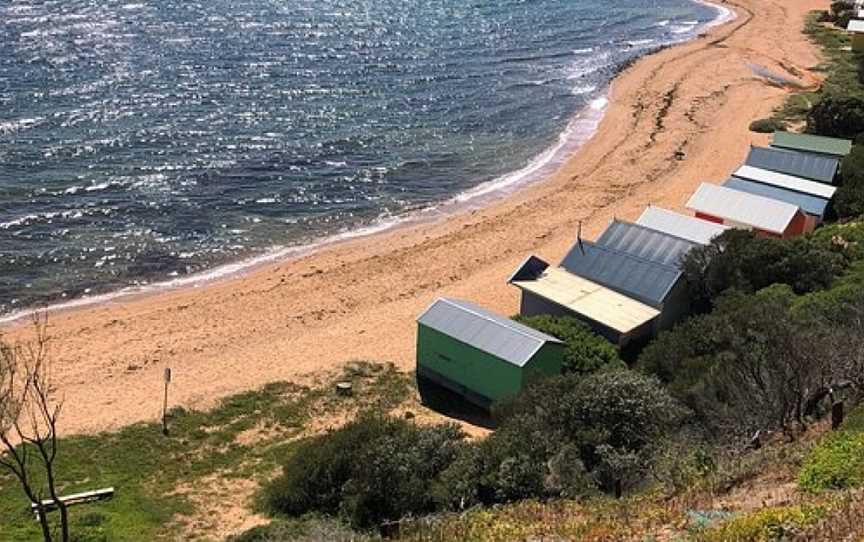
676	118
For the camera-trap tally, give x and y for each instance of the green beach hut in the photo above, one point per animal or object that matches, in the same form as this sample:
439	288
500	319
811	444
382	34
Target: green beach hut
482	356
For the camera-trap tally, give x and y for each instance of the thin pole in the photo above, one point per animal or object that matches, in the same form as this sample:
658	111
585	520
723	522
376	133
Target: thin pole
165	402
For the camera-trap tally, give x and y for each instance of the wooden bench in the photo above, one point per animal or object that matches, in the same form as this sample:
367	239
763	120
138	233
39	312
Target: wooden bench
78	498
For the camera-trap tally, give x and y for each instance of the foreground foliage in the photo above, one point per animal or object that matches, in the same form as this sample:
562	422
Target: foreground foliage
370	471
837	462
585	351
146	468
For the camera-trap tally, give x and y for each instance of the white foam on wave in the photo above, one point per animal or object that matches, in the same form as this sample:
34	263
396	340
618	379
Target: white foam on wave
19	125
636	43
724	14
579	90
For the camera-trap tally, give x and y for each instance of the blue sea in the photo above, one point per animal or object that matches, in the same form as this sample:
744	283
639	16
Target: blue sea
150	141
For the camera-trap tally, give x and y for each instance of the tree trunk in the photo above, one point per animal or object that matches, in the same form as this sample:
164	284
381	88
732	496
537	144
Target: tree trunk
43	522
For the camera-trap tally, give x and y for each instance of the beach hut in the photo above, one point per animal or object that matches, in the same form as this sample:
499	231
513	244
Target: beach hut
655	284
683	226
789	182
805	165
556	291
482	356
763	215
813	207
644	242
811	197
856	27
830	146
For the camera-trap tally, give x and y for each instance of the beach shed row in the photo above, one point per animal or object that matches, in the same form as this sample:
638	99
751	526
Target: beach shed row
628	284
781	191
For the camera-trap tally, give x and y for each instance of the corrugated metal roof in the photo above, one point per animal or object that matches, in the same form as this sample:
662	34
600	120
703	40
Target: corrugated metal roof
755	211
788	182
473	325
801	164
687	227
591	300
812	143
641	279
809	204
855	26
645	242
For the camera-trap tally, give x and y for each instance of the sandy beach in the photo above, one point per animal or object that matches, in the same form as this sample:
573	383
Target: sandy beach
676	118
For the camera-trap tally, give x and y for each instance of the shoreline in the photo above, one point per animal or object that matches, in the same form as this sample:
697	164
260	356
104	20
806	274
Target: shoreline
668	114
537	170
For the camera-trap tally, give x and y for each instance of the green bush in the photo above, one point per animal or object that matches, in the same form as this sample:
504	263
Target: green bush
838	461
764	525
767	126
849	199
566	436
749	365
370	471
740	260
585	350
837	116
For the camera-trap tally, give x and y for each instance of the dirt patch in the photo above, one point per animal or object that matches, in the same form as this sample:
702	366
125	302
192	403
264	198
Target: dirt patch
223	507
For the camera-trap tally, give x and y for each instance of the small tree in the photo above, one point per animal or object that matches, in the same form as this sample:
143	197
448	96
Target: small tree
28	424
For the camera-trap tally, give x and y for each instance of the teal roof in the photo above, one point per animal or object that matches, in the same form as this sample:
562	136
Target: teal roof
812	143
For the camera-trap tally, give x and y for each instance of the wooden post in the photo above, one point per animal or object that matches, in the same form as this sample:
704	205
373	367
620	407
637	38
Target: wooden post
836	415
165	402
344	389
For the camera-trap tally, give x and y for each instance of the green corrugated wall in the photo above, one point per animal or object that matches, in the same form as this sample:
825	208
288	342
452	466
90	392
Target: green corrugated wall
480	371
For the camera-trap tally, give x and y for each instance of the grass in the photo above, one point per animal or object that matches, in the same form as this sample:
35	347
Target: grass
147	468
841	70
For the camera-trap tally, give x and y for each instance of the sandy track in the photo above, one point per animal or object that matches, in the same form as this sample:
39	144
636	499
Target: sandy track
676	118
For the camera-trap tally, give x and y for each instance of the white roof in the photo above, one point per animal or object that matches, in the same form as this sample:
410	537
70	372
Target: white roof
686	227
595	302
860	14
755	211
855	25
788	182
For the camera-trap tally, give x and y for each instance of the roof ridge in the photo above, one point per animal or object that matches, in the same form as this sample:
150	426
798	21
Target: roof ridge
658	232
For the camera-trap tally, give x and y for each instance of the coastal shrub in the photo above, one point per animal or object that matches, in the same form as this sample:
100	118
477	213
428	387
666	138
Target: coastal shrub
567	436
837	462
837	116
585	351
840	7
849	199
740	260
746	366
767	524
767	126
372	470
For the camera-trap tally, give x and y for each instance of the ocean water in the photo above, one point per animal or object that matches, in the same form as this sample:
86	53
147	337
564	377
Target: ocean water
147	141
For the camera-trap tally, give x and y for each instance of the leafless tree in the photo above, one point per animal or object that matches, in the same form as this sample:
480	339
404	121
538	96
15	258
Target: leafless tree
29	412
